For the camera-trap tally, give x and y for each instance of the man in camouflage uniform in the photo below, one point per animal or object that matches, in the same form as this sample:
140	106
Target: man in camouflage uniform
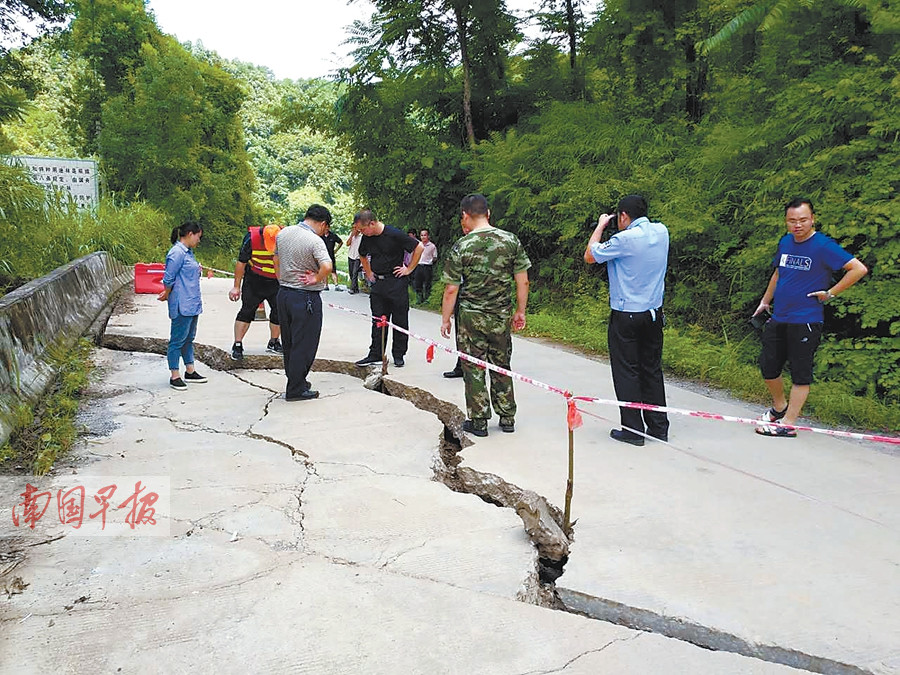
482	262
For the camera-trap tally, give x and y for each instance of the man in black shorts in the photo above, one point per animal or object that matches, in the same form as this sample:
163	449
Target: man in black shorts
255	282
800	285
381	254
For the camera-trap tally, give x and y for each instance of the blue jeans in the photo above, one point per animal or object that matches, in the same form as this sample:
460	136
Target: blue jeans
181	340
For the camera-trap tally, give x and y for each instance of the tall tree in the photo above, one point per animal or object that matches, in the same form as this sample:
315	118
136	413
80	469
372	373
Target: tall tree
566	18
473	35
14	81
174	137
648	50
165	124
14	14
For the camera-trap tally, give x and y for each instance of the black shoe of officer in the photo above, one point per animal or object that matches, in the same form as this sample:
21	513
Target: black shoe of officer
626	437
368	361
456	372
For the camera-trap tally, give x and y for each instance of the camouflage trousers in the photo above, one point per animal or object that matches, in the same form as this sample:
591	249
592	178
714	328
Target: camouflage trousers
487	337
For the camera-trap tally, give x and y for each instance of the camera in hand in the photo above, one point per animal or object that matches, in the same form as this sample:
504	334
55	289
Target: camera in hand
612	226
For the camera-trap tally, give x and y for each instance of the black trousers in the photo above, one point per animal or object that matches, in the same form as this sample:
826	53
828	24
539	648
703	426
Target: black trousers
423	276
390	297
354	267
300	313
635	354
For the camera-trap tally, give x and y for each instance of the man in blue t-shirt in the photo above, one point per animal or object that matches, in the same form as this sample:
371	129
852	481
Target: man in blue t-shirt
800	285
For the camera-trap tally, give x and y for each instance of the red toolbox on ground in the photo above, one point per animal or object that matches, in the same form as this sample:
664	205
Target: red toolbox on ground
148	277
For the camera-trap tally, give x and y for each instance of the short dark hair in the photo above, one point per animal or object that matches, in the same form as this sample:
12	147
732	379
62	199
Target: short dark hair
634	205
798	202
413	231
474	204
318	213
365	215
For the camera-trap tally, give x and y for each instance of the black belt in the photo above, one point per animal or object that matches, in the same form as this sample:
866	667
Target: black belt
645	311
300	290
654	313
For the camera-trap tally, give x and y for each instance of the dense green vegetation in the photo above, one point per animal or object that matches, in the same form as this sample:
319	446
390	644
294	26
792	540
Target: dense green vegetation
718	111
37	236
295	166
792	98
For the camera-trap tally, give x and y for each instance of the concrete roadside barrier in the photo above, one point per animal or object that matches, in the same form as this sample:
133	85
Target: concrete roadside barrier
56	309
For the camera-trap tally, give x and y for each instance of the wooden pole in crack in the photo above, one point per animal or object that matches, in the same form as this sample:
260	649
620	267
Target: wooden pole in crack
383	348
570	484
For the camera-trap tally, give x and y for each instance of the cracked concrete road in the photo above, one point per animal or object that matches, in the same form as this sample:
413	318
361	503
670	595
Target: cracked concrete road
313	537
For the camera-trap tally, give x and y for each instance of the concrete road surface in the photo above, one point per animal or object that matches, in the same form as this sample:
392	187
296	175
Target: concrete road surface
314	536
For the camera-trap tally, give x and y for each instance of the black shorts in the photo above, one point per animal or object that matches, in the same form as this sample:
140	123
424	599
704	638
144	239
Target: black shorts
794	342
254	290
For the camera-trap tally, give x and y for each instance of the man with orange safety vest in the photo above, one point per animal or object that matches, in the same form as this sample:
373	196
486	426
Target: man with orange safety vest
256	269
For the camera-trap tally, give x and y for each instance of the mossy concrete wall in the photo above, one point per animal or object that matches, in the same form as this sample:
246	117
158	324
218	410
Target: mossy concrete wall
56	309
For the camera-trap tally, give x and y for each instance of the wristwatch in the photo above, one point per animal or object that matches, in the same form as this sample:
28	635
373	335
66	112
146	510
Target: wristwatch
829	295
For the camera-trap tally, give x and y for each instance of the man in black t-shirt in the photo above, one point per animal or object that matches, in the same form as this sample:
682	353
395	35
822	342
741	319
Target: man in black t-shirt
381	254
332	243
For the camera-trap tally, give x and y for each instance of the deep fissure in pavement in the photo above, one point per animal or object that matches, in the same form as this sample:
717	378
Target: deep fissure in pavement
542	521
688	631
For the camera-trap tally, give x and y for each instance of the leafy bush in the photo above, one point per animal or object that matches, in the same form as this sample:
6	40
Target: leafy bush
38	235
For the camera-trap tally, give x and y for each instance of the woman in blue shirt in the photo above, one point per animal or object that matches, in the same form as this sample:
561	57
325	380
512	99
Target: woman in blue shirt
182	291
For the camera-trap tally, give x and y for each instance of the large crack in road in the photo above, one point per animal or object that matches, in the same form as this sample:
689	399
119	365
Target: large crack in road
541	520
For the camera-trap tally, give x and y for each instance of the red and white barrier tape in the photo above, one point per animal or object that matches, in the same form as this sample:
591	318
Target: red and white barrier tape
740	420
210	270
231	274
573	417
455	352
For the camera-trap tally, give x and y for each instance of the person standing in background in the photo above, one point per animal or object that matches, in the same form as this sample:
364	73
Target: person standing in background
424	274
407	256
255	282
457	369
353	264
181	284
332	244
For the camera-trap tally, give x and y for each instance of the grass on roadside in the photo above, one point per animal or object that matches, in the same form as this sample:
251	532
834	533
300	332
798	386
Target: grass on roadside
729	365
44	433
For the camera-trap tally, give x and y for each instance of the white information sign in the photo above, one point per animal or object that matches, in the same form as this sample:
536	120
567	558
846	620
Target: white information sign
78	177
